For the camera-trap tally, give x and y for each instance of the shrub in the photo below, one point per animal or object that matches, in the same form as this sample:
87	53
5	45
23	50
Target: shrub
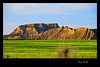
63	52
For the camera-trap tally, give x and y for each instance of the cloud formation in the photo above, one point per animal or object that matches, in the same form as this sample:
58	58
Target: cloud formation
10	24
79	26
62	16
45	8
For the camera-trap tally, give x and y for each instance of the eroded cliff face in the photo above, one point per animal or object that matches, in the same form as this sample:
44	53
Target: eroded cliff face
67	33
50	31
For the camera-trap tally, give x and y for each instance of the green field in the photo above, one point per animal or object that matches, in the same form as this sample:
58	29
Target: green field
49	48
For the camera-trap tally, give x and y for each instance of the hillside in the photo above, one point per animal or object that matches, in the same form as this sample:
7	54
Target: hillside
50	31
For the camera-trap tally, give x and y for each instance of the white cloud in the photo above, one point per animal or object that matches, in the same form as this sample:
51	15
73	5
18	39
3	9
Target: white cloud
62	16
79	6
32	9
79	26
44	8
73	26
94	16
10	24
89	26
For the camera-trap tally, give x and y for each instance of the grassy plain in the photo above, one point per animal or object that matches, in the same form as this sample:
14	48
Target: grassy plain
49	48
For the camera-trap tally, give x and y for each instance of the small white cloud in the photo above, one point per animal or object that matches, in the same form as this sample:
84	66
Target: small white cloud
89	26
89	16
62	16
10	24
79	26
94	16
74	26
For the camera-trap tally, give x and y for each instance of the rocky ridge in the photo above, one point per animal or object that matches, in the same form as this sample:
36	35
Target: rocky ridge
50	31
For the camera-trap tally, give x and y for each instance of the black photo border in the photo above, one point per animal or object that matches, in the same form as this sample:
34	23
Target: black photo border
48	61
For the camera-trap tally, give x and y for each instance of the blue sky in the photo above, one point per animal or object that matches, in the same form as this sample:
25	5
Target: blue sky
73	15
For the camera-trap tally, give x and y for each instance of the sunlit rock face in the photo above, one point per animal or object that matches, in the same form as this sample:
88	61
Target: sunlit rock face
50	31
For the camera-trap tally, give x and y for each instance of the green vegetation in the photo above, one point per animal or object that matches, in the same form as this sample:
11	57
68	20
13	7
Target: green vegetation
49	48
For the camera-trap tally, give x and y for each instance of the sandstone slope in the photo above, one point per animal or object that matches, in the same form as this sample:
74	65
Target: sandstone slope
50	31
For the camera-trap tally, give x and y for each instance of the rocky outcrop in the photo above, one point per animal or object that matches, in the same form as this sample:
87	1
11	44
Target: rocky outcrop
50	31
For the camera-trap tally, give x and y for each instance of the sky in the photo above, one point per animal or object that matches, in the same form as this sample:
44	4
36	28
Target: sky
73	15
